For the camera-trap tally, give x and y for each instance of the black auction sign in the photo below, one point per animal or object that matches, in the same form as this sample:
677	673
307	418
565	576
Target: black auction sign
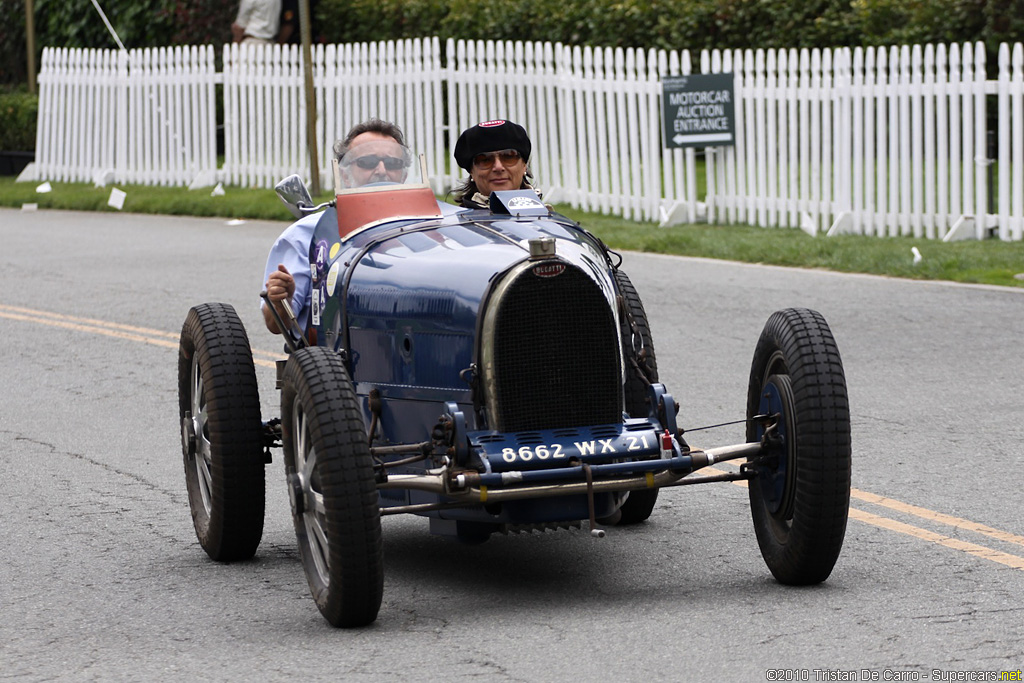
698	110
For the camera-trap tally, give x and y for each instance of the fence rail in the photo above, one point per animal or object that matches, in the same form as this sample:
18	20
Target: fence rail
875	141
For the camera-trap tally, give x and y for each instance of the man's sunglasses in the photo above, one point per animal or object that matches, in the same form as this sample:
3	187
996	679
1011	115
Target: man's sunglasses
486	161
370	162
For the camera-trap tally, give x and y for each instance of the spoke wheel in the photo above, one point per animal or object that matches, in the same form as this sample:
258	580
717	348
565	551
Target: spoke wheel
641	369
800	497
196	427
221	432
331	486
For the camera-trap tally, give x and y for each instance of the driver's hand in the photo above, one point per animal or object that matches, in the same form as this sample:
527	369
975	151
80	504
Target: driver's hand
280	285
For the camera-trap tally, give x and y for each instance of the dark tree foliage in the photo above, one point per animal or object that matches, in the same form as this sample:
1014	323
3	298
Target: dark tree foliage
201	22
78	24
681	24
13	67
138	23
670	24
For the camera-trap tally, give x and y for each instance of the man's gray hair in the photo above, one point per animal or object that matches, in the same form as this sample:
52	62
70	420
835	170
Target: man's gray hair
369	126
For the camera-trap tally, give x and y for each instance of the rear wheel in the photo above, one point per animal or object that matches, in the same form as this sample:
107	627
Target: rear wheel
800	497
641	370
332	488
221	432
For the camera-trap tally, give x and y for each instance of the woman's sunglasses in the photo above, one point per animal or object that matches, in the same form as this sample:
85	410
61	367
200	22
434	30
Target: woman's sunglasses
370	162
486	161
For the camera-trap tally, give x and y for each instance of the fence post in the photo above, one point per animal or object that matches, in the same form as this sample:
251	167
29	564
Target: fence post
980	135
928	103
121	120
942	128
1017	93
654	137
45	115
1003	149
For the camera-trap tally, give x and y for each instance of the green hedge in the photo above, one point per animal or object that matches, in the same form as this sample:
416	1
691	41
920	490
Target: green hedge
678	24
671	24
18	121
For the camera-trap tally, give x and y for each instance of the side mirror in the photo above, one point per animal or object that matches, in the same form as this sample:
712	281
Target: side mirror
295	196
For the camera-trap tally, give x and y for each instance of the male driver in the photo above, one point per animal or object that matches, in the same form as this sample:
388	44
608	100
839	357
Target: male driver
376	150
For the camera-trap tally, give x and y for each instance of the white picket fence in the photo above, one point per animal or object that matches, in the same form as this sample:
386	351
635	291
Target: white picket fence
886	141
877	141
147	116
594	117
265	105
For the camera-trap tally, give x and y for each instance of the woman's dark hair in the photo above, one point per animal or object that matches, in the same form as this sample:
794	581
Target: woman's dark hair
467	188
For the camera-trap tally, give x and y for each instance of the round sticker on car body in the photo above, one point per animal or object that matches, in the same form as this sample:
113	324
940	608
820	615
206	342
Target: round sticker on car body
524	203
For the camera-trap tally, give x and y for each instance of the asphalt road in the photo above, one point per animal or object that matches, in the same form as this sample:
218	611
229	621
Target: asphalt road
101	577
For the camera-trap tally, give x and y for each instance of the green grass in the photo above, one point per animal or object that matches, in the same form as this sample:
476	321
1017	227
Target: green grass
987	262
175	201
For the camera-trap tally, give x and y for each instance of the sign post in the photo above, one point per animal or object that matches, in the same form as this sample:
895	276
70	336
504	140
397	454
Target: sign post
30	44
305	23
699	110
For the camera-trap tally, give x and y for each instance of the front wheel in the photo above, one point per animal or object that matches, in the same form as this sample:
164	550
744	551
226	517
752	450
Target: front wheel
221	432
332	488
641	370
800	497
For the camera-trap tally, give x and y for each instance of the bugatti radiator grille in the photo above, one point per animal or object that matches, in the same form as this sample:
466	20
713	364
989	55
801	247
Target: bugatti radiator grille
556	353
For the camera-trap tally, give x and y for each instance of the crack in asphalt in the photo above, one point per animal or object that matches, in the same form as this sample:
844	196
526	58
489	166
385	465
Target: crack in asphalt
969	614
489	669
176	497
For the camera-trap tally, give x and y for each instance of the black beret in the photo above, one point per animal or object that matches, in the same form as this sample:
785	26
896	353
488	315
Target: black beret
491	136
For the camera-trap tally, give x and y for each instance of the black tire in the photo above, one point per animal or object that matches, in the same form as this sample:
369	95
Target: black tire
331	484
219	412
800	498
641	370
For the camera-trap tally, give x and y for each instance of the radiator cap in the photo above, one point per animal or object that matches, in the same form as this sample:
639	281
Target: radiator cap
518	203
542	247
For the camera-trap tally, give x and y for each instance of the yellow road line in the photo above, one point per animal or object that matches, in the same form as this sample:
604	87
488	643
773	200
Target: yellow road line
923	534
932	537
118	331
87	321
94	330
939	517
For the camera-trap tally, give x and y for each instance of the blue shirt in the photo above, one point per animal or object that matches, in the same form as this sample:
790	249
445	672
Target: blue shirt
292	251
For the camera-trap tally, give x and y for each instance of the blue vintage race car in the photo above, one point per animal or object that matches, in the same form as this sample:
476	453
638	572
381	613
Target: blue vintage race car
492	371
